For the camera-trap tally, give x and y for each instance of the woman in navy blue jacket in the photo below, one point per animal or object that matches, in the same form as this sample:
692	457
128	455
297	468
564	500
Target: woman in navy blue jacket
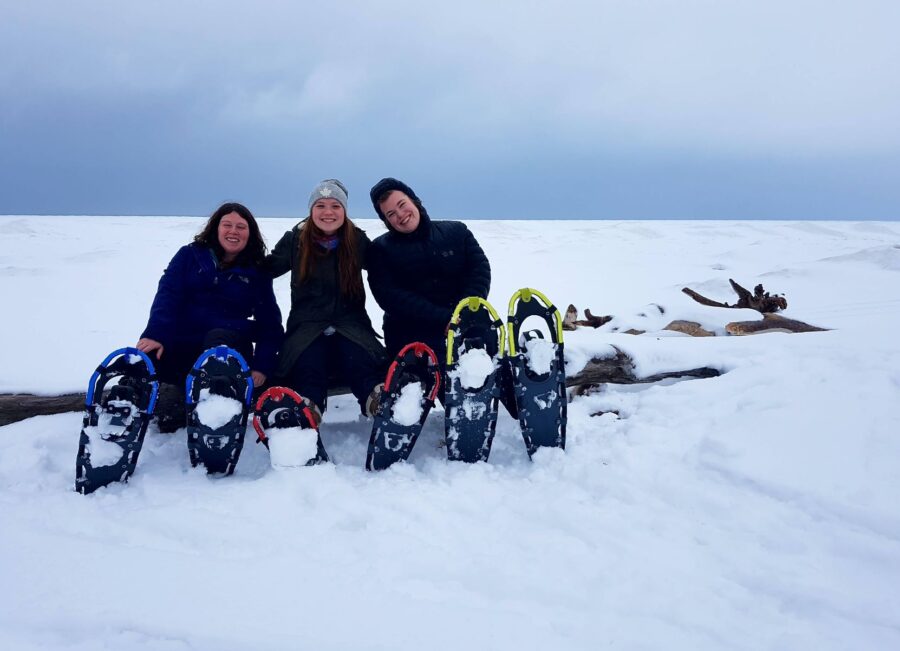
213	293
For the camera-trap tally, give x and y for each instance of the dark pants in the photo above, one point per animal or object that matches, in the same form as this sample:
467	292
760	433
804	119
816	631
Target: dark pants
334	356
180	356
175	364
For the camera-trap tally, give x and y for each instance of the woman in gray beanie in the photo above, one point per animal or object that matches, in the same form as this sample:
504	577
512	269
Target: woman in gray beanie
328	332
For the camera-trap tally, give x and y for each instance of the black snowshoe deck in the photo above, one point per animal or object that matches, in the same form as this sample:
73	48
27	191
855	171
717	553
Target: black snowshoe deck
540	397
471	413
283	408
120	400
220	371
392	441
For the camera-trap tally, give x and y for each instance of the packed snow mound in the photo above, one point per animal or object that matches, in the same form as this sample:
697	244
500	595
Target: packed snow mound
215	411
408	407
539	355
292	447
474	367
883	257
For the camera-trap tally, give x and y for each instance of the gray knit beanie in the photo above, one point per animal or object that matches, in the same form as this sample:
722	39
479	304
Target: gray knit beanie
329	189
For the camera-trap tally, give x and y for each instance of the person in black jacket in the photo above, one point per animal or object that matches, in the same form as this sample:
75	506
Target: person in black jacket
328	330
213	292
420	269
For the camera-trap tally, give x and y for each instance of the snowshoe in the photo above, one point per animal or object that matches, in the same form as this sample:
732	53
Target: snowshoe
475	345
219	390
538	371
120	399
410	388
288	425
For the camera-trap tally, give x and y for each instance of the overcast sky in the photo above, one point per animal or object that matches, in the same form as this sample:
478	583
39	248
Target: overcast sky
597	109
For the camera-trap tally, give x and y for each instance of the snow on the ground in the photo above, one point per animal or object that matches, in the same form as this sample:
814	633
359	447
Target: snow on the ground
755	510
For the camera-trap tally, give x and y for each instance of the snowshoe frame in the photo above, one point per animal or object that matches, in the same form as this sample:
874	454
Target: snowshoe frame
144	388
540	399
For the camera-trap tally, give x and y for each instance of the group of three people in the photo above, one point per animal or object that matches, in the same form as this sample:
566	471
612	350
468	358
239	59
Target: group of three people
218	291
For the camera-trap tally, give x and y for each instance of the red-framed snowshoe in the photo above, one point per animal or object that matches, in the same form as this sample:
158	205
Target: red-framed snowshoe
410	389
284	419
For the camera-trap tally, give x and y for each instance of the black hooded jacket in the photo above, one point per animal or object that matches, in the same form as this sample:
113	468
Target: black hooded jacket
418	278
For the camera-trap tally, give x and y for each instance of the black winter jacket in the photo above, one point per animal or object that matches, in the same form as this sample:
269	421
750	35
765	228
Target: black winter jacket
318	303
418	278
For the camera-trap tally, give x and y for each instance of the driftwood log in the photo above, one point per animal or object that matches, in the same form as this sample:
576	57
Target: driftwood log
19	406
770	323
691	328
760	300
571	320
617	368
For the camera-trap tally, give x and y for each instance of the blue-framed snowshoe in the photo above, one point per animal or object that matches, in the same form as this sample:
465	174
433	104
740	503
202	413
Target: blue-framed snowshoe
475	345
538	371
218	393
120	399
280	408
410	389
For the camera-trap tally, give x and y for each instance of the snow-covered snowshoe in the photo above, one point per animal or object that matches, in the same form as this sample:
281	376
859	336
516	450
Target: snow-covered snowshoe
120	399
538	371
475	345
410	388
285	423
219	390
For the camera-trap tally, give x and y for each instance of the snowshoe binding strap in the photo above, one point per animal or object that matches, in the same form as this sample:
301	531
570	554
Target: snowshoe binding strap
219	361
282	407
474	314
414	356
530	302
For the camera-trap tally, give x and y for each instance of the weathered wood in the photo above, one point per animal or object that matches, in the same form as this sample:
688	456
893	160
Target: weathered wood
570	317
19	406
760	300
702	299
619	369
593	321
614	369
770	323
571	320
691	328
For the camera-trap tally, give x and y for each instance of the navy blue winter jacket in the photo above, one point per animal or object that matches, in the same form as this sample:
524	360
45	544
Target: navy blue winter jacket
418	279
196	296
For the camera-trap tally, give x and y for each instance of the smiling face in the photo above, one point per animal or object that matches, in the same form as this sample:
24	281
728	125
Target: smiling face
400	212
328	215
234	233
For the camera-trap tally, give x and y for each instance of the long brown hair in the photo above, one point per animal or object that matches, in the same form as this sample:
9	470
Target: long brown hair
349	272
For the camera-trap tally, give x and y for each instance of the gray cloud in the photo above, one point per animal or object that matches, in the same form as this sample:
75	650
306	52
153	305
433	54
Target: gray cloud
173	106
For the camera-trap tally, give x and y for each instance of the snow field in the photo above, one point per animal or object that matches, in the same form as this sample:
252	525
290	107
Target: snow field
755	510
